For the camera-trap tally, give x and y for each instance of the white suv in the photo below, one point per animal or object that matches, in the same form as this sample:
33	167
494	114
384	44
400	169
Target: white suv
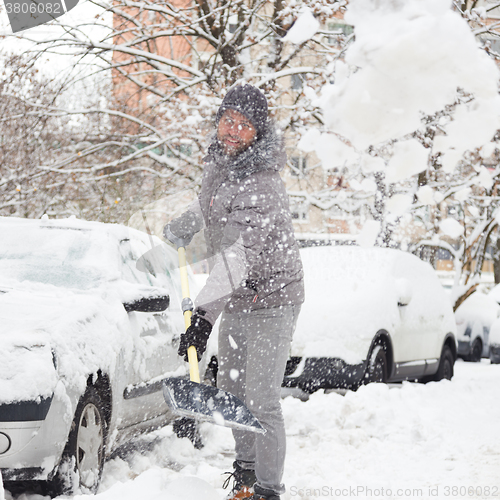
370	315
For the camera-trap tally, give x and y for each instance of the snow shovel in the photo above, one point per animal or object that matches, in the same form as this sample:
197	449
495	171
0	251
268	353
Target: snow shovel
189	398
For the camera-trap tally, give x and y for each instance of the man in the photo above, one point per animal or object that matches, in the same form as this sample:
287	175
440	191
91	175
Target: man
255	281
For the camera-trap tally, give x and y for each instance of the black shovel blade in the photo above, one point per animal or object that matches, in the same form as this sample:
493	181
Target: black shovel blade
208	404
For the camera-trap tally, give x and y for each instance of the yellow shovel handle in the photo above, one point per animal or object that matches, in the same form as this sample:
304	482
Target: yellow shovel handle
194	372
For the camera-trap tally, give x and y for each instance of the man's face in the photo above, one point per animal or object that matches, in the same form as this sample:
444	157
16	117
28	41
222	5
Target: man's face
235	132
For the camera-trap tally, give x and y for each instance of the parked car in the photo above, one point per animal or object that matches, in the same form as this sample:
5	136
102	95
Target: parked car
370	315
494	353
474	318
91	316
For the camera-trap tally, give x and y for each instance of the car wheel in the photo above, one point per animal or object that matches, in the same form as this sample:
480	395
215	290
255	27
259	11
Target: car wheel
495	354
476	351
445	369
83	458
377	365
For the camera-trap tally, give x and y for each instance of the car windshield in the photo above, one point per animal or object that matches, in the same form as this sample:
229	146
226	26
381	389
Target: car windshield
69	258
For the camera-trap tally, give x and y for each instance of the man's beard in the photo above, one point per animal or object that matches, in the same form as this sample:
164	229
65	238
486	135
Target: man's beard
232	150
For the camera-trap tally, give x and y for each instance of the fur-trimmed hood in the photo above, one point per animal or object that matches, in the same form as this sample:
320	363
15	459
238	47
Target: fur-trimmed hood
266	153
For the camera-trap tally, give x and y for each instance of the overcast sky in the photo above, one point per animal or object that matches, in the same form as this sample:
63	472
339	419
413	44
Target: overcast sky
83	13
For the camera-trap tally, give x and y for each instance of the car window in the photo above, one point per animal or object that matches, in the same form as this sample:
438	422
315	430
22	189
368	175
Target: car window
154	265
62	257
131	251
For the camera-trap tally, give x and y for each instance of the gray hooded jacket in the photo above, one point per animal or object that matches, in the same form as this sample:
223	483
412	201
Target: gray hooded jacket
253	256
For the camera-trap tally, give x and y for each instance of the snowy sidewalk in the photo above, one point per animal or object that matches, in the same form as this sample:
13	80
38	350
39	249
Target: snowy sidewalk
441	440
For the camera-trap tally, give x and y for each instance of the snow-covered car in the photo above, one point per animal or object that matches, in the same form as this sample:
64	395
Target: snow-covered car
370	315
474	318
91	316
494	353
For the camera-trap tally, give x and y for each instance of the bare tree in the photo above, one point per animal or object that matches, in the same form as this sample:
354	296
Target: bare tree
155	75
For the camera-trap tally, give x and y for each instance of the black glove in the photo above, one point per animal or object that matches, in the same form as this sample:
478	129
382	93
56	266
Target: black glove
180	231
197	335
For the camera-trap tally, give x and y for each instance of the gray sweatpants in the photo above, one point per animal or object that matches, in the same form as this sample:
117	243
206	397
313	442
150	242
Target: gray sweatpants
253	350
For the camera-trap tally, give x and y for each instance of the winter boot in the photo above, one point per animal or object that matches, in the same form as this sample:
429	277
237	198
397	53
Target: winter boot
263	494
243	481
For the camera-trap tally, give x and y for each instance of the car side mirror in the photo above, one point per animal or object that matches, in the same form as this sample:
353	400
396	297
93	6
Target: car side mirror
404	291
148	304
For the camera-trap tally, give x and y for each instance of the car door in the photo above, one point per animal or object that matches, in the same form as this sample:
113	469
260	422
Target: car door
155	339
419	333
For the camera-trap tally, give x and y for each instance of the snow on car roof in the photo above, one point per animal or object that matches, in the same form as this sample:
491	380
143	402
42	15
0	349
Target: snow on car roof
72	222
69	252
495	293
352	293
345	294
478	306
47	323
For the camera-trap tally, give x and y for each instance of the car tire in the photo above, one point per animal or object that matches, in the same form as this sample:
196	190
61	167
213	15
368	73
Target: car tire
376	370
446	362
83	458
476	351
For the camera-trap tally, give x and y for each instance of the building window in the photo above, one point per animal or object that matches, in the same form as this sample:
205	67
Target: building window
185	149
298	166
349	210
339	29
297	82
455	211
232	24
495	46
299	210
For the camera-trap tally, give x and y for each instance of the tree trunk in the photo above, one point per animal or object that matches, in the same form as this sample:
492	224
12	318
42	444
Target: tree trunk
496	261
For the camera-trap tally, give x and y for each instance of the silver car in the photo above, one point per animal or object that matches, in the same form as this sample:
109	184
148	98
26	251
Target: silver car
91	316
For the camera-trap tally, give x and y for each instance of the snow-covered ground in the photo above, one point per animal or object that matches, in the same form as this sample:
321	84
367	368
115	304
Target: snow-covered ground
441	440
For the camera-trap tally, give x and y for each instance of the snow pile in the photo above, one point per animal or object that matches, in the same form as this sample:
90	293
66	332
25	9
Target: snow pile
411	56
331	151
352	293
409	158
451	228
495	293
359	441
426	195
398	204
304	28
365	436
368	234
189	488
26	370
